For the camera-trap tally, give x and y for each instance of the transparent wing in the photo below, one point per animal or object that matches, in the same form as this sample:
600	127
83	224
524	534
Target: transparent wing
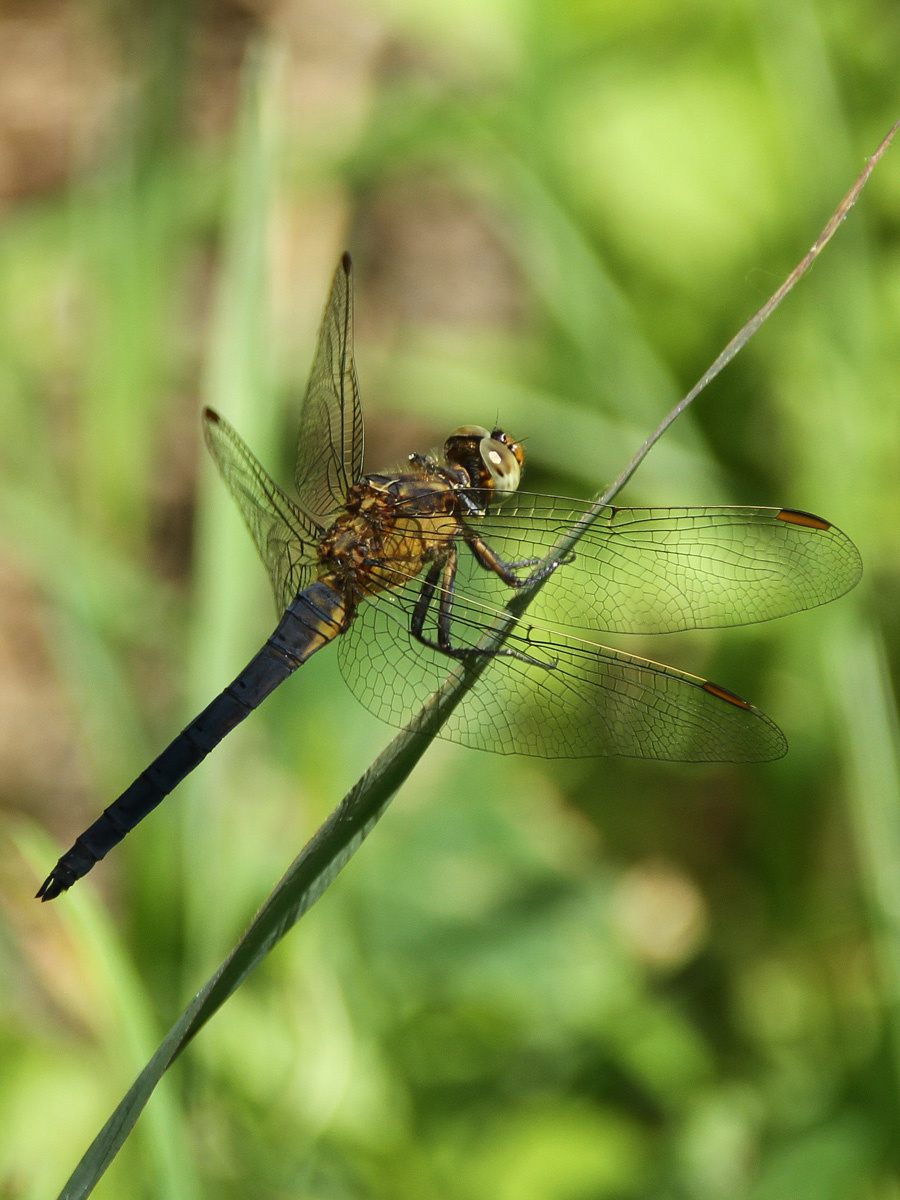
657	570
574	699
285	537
330	446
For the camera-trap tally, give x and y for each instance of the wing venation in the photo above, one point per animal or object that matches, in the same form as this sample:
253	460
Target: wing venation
284	535
330	443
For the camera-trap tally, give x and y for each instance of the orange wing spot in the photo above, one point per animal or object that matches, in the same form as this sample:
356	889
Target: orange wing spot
724	694
794	516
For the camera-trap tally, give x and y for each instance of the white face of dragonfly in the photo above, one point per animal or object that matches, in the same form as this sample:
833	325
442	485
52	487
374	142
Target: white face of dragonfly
492	461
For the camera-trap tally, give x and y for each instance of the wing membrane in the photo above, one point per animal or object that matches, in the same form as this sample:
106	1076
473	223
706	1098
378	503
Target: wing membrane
330	445
574	699
285	537
656	570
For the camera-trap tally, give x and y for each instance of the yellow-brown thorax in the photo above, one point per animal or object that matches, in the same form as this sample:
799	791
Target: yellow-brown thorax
391	528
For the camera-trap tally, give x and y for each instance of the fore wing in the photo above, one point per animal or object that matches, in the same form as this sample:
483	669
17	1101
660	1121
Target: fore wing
285	537
656	570
330	445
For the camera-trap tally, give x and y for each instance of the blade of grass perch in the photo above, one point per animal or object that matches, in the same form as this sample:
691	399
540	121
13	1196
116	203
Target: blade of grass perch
333	845
344	831
104	957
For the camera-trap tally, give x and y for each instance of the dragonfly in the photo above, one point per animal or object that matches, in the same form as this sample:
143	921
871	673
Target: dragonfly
409	571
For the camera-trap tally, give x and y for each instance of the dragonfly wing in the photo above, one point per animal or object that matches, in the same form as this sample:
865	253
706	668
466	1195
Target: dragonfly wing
570	699
330	446
285	537
656	570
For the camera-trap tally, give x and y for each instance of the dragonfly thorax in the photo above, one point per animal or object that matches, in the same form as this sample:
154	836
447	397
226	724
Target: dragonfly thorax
391	528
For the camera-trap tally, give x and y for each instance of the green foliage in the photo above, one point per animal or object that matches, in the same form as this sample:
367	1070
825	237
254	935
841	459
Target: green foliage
550	980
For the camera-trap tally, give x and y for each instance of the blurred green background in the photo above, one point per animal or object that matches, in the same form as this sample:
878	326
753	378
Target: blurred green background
538	980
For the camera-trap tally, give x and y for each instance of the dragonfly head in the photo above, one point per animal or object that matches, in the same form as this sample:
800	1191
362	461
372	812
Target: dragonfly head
492	461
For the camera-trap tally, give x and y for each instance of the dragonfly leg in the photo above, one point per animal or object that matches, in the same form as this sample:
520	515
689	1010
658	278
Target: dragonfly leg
426	596
444	573
441	572
491	561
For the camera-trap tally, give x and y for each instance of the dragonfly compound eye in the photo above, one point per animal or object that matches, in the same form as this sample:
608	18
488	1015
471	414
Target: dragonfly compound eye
461	449
500	435
503	466
463	443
